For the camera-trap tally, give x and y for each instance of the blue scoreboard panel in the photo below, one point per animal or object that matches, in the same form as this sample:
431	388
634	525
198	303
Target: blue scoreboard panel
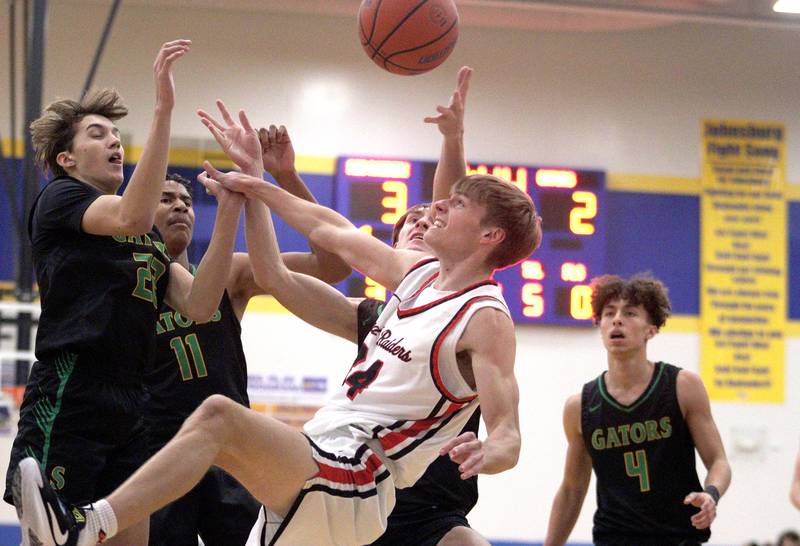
549	287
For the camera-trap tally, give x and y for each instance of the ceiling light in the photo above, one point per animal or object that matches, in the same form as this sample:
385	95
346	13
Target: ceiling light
787	6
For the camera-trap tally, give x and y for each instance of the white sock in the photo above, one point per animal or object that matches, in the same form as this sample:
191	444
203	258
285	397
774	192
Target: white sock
101	522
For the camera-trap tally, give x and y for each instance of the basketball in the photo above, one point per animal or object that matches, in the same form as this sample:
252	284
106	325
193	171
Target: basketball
408	37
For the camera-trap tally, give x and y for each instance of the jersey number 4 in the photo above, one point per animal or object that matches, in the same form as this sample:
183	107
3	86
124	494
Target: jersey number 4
636	467
362	379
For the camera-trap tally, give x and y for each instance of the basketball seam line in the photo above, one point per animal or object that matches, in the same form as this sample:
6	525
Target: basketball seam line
415	70
422	45
374	20
408	15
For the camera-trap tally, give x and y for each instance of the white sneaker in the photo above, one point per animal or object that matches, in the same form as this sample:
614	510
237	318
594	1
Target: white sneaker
45	519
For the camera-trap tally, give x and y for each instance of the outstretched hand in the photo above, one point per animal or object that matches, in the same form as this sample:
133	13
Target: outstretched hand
277	152
707	506
210	177
467	451
218	183
451	118
162	71
239	141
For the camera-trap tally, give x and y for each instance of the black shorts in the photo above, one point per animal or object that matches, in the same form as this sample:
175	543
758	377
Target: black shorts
219	509
88	434
421	528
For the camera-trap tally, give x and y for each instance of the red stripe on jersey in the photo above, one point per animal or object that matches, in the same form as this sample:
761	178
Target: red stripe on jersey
423	261
403	313
393	438
344	476
421	288
437	377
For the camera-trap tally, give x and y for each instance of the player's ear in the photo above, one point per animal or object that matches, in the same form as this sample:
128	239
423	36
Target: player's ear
494	235
651	332
65	159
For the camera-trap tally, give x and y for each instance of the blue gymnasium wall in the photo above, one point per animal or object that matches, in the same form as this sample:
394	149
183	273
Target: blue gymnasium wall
205	211
659	233
794	258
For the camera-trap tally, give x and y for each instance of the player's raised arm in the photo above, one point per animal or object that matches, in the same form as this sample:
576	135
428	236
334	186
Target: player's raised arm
134	212
450	121
242	145
307	297
278	159
197	297
577	475
490	342
328	229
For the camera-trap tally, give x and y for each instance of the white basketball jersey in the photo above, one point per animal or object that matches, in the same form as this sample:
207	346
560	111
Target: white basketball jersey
407	397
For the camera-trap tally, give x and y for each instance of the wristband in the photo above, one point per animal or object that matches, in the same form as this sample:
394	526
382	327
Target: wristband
713	491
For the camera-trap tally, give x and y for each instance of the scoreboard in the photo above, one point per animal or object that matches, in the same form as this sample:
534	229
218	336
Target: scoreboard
552	285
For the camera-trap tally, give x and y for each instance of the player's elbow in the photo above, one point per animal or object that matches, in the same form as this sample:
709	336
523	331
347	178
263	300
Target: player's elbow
264	280
200	312
274	281
574	490
135	222
513	458
508	454
334	270
323	236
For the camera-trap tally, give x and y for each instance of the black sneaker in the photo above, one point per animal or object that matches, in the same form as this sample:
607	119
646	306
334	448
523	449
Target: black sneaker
45	519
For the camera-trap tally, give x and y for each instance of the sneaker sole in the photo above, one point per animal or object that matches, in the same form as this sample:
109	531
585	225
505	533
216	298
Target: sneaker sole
16	492
27	500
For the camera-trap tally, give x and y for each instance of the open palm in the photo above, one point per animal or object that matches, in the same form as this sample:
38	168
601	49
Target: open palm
239	141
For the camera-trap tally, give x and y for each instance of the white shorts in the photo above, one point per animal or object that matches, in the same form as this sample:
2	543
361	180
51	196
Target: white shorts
346	503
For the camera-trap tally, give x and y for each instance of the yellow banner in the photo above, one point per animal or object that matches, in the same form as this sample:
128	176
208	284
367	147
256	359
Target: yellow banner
743	260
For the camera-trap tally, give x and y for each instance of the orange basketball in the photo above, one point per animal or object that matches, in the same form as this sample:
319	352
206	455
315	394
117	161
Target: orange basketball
408	36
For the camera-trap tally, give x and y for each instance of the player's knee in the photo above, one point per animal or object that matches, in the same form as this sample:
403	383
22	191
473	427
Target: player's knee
214	412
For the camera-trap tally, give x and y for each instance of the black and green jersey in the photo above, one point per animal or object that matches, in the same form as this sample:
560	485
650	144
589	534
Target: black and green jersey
193	361
644	458
100	294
